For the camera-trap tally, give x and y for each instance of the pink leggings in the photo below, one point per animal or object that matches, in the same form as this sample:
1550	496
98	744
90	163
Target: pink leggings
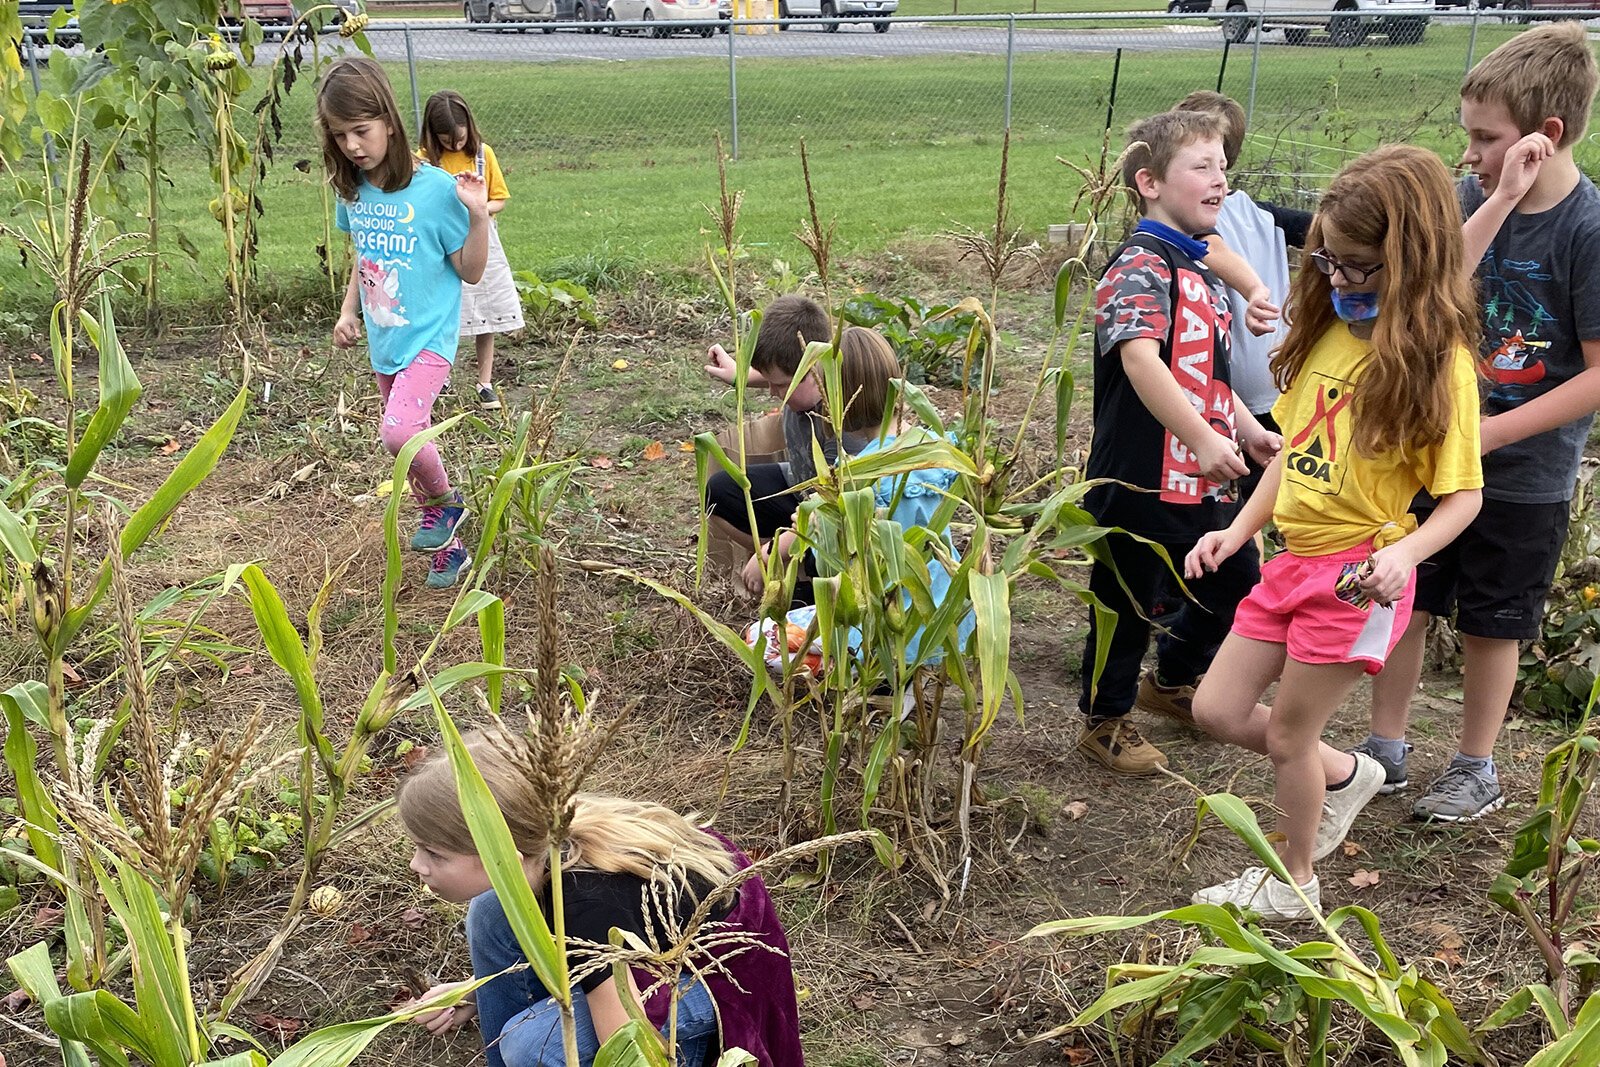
408	410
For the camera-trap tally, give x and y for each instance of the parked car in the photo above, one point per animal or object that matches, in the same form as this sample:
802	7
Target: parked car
663	13
582	11
501	11
37	15
1347	22
275	17
1517	10
873	11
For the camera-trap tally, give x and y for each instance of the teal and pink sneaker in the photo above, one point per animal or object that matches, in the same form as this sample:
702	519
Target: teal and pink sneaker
448	563
439	523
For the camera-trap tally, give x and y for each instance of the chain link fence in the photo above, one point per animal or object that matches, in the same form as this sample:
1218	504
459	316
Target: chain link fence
888	106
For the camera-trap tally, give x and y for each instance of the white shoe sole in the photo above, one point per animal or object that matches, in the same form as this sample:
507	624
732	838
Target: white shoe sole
1488	809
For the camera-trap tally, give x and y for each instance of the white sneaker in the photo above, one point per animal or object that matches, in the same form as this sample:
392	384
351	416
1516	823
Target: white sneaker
1341	806
1259	891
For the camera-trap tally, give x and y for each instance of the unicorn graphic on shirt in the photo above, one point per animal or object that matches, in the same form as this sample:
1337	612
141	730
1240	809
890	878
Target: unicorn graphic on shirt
380	294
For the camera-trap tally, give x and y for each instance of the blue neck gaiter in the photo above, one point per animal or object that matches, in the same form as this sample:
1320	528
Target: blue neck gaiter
1189	246
1355	307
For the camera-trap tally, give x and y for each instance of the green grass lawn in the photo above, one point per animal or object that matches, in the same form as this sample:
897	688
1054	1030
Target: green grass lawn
602	155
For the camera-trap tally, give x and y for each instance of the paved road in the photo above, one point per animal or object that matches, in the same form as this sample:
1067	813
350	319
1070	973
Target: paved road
452	41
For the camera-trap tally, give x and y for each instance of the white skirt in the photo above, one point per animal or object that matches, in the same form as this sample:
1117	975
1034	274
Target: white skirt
492	305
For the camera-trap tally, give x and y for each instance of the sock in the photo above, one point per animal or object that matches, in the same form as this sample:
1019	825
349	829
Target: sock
1483	766
1348	780
1392	750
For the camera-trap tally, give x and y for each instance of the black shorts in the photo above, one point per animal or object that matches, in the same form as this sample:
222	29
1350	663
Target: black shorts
1496	575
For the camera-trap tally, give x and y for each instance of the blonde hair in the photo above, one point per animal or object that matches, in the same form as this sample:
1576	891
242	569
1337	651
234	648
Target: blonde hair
353	89
1547	72
1153	142
1228	110
608	833
867	364
1399	199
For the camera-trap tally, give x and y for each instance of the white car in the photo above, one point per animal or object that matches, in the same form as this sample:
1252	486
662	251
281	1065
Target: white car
664	13
1347	22
873	11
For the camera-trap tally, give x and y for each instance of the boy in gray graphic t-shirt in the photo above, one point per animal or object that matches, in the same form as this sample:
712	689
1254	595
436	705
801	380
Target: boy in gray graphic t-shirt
1534	220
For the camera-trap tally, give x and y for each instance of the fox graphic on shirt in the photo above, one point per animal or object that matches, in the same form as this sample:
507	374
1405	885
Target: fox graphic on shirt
380	294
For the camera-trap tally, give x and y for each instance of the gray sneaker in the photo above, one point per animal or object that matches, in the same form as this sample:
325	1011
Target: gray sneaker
1394	774
1460	795
1341	806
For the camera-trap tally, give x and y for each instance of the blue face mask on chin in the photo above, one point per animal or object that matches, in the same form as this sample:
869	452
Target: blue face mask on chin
1355	307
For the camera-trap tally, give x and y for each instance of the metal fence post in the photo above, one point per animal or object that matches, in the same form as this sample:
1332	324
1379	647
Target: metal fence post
411	68
1011	39
1472	39
733	90
1255	67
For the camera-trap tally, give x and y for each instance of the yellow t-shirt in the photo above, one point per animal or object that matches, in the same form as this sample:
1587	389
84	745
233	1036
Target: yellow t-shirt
1331	497
461	163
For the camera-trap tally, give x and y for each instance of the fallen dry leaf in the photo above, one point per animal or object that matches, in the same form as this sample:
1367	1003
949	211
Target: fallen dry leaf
414	756
14	1002
1075	810
863	1002
1078	1056
1364	879
48	917
685	446
412	918
654	450
284	1026
358	933
620	364
170	447
605	463
1352	849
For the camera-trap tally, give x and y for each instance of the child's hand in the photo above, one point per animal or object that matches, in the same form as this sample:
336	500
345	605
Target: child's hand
1219	459
347	331
1262	444
1261	316
752	578
1207	554
446	1019
1521	166
473	192
1391	572
720	365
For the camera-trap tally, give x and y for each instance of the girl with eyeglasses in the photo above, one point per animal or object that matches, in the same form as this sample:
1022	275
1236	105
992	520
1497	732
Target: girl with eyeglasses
1379	401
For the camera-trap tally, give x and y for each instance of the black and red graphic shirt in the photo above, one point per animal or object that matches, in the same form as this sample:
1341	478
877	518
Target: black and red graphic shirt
1153	290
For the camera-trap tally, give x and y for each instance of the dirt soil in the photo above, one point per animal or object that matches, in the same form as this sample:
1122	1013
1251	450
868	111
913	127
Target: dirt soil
890	973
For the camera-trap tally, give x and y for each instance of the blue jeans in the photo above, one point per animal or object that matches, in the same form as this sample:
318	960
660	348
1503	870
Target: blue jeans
521	1022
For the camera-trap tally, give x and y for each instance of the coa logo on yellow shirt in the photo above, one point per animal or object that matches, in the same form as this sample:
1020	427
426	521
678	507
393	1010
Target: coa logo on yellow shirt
1314	454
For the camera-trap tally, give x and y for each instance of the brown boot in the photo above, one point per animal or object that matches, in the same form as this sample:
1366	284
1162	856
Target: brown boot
1172	701
1118	744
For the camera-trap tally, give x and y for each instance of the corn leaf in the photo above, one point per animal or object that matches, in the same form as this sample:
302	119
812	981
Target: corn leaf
633	1045
1063	292
119	389
283	644
193	469
991	603
36	976
103	1023
453	676
24	701
14	537
492	636
251	1058
470	603
339	1045
1221	1015
735	1057
391	536
160	986
1580	1046
503	863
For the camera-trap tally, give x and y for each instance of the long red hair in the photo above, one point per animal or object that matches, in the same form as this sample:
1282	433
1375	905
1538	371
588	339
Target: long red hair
1401	200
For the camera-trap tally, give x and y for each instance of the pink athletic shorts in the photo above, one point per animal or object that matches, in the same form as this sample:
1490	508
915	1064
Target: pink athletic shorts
1313	606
